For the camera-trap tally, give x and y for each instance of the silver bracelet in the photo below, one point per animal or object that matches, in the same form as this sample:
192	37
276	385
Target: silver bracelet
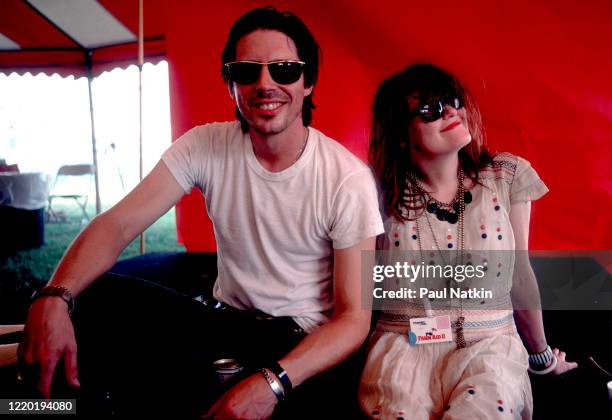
274	384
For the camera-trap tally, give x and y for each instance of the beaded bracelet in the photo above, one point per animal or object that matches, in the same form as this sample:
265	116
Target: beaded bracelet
549	369
542	358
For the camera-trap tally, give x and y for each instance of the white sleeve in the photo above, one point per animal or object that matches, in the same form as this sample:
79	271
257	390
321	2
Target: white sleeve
187	158
526	184
355	214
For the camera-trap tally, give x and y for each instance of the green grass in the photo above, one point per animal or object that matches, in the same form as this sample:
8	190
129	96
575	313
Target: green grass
25	271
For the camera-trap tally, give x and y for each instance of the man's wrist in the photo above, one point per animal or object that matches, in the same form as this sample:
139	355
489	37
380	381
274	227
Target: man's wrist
282	375
60	292
273	383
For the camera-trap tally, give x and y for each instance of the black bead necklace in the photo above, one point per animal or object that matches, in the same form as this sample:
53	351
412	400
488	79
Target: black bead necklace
457	214
448	212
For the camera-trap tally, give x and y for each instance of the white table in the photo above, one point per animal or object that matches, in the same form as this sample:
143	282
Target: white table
27	191
23	199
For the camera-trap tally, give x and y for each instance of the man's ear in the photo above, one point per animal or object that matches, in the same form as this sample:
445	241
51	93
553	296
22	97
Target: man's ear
230	90
308	91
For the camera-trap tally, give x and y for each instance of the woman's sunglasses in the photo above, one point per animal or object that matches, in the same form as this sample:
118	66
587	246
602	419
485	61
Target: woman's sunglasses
432	110
284	72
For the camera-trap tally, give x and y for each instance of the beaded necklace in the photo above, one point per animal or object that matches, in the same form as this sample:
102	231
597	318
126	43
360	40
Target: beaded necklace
449	212
460	210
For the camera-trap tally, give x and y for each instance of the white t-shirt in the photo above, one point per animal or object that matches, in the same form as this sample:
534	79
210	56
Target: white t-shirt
276	231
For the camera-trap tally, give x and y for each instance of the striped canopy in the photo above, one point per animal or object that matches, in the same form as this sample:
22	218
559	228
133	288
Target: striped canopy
68	36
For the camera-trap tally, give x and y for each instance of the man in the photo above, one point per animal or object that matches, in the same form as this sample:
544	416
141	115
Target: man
291	208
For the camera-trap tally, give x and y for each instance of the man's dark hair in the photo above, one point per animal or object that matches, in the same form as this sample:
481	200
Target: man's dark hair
286	22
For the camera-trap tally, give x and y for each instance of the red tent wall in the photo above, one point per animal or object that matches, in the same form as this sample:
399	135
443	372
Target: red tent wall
541	74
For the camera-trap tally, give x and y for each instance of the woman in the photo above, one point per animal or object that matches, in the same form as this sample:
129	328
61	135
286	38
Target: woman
443	191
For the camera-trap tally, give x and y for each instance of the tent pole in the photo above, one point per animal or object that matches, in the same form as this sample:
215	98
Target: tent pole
88	62
140	64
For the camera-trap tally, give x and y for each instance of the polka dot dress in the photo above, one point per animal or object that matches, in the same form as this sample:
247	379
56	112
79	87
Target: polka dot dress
489	375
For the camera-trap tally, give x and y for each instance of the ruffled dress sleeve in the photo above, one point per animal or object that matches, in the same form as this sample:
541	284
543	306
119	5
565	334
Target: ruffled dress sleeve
526	184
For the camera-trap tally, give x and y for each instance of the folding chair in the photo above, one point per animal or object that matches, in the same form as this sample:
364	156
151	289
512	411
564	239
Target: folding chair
8	352
64	187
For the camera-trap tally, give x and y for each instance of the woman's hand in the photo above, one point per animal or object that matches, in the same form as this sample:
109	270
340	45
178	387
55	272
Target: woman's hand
562	364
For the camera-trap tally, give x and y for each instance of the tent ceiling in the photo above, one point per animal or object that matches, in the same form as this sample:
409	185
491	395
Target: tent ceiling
55	36
7	43
86	22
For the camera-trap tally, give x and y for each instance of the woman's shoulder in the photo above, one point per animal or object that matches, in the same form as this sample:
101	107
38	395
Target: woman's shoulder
504	165
510	171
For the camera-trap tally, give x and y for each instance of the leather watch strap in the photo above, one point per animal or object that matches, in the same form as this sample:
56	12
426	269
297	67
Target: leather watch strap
58	291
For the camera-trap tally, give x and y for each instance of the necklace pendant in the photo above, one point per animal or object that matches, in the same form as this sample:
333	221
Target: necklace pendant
452	218
467	197
432	207
441	214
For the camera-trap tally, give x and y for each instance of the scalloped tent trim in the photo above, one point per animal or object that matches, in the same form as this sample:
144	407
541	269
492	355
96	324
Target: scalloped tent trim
78	37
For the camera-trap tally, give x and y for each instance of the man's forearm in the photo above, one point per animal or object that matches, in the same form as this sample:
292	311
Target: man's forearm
92	253
325	347
346	331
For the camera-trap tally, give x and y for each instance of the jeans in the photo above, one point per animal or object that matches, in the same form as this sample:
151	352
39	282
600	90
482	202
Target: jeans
144	349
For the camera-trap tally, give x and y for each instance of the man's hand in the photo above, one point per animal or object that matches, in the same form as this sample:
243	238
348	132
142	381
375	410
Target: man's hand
49	336
249	399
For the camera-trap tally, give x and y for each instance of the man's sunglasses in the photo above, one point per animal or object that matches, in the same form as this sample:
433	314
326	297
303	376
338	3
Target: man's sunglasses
284	72
432	110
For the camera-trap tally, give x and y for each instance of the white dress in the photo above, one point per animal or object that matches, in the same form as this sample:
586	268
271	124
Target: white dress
488	378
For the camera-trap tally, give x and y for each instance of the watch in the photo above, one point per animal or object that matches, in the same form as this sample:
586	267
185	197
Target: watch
58	291
281	373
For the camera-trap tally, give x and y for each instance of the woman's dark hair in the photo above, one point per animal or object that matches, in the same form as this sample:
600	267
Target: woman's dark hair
390	143
286	22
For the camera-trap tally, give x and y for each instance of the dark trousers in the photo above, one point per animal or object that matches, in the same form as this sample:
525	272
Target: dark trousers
145	349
